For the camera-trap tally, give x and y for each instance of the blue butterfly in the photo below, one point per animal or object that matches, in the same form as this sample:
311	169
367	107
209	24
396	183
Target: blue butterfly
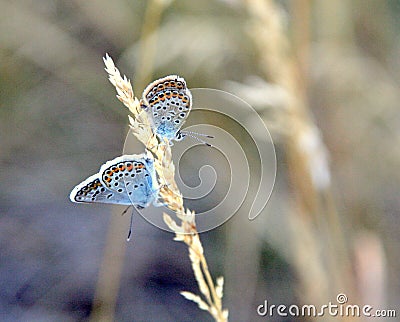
125	180
168	102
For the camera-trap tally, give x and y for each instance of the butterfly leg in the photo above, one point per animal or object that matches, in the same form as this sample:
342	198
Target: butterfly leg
126	210
130	226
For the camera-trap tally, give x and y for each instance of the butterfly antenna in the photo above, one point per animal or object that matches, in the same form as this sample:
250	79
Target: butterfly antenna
130	228
198	134
195	136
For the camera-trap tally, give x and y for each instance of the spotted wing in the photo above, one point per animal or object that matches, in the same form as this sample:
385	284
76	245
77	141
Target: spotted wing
92	190
168	102
132	176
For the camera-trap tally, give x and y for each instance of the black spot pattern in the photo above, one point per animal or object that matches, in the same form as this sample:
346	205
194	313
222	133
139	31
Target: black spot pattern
116	181
168	103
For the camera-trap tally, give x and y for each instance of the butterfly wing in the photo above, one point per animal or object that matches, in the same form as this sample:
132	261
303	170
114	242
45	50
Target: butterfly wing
92	190
132	176
125	180
167	102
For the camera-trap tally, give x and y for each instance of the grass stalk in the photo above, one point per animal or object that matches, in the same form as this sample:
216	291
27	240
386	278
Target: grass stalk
311	215
185	226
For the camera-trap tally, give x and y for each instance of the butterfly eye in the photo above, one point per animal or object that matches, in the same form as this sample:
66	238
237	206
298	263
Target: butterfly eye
179	136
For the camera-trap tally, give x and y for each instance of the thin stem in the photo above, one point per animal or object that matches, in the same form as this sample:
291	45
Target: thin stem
210	281
171	196
148	41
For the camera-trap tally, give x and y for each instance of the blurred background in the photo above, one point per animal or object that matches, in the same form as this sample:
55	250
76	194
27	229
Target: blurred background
323	75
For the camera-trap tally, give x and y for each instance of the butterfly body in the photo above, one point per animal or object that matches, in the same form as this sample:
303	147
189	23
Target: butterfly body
125	180
167	102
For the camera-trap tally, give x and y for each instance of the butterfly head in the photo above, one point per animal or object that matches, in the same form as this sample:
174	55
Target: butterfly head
179	136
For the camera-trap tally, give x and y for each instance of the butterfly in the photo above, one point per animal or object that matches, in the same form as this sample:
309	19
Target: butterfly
168	102
125	180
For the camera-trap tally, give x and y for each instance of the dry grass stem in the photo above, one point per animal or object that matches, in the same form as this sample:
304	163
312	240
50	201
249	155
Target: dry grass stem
185	230
307	161
149	39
